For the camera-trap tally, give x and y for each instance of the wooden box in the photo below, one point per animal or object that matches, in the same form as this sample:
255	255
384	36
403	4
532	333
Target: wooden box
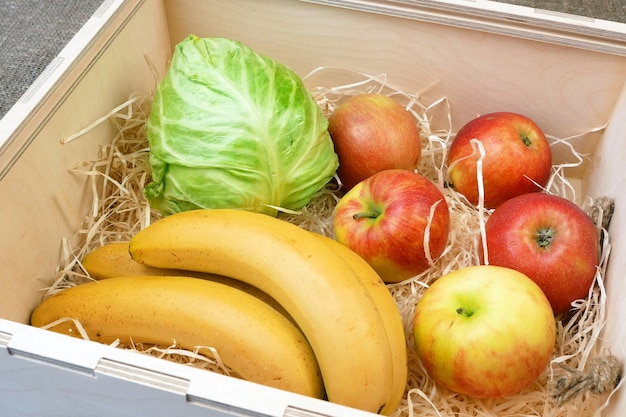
568	73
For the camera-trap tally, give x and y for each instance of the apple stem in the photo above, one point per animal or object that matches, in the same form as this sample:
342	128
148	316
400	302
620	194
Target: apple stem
365	215
526	141
463	312
544	237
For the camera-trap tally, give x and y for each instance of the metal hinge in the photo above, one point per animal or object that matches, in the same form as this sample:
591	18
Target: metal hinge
142	376
300	412
5	338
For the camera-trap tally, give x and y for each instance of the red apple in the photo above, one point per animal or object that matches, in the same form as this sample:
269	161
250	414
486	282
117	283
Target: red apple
548	238
484	331
517	159
372	133
396	220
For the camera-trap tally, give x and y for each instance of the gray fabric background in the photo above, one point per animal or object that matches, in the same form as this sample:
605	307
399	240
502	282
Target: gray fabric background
33	32
614	10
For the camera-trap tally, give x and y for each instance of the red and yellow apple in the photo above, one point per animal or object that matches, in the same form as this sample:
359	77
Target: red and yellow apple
372	133
397	220
517	158
484	331
548	238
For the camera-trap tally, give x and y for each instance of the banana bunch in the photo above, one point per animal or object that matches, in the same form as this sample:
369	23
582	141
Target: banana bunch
343	310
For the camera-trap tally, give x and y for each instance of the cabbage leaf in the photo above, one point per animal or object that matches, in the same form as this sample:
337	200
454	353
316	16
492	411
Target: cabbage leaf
231	128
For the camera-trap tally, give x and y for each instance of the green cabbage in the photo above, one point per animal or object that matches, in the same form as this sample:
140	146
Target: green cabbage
230	128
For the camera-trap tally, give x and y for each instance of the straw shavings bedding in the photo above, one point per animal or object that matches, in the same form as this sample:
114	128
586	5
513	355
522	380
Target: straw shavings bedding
566	388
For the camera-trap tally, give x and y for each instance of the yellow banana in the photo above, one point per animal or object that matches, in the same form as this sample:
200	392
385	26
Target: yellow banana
253	339
113	260
388	309
315	286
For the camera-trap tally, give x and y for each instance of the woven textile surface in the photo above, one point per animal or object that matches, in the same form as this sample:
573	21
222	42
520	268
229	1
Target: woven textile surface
32	33
614	10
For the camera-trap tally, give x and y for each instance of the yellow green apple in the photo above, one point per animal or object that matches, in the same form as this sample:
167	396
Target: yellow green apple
484	331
